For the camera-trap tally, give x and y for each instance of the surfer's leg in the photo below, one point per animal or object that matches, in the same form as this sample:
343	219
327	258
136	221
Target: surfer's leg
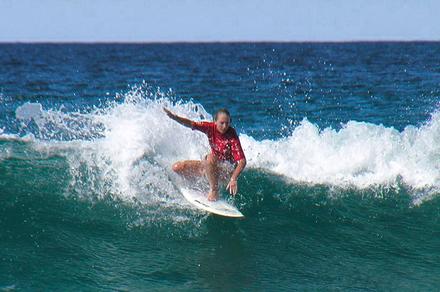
225	170
189	168
211	169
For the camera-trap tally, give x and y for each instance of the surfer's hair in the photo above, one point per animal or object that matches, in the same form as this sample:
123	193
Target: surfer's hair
222	111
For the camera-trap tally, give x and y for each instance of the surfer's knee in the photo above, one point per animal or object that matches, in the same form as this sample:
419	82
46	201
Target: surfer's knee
177	167
211	159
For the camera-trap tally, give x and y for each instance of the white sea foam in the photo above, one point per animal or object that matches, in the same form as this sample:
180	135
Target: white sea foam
132	144
360	154
125	149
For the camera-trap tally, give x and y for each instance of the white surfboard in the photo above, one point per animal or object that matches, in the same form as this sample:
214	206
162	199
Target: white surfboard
219	207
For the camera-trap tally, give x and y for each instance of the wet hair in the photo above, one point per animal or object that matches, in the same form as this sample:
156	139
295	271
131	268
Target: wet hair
223	111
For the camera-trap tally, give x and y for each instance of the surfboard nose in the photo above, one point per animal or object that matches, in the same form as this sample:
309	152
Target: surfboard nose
220	207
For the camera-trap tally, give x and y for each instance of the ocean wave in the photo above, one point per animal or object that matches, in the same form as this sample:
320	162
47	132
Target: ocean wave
360	154
126	148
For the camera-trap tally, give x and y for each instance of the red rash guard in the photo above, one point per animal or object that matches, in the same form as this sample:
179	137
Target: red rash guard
224	146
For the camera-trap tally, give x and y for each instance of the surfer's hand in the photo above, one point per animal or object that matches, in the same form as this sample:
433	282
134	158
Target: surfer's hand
169	113
232	187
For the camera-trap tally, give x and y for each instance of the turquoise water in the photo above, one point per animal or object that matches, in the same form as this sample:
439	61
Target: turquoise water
340	192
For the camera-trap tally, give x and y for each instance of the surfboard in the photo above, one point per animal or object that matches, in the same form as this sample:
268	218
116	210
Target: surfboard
220	207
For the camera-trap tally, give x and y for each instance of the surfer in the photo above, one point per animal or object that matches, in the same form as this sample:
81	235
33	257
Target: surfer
226	157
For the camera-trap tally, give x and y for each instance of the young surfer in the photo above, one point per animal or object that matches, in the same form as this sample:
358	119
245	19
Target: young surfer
226	157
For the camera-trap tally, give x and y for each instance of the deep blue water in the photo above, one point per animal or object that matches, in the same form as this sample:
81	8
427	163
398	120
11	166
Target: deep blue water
340	192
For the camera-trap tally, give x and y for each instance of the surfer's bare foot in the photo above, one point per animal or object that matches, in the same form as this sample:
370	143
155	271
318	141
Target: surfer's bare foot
213	195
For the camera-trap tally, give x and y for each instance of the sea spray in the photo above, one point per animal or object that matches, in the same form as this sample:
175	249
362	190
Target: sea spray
127	148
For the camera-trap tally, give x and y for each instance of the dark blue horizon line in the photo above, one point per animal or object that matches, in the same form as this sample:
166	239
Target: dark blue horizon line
215	42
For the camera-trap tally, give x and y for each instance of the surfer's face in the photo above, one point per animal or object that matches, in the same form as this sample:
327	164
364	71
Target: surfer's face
222	122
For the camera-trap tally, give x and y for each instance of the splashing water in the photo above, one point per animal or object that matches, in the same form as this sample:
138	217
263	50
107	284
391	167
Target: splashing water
126	149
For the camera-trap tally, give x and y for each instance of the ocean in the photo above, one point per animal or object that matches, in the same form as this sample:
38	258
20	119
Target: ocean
341	189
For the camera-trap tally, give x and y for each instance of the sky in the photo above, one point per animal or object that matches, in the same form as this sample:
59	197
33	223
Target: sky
217	20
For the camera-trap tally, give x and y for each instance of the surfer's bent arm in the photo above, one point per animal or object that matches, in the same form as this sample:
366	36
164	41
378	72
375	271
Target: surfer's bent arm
240	166
232	185
238	155
181	120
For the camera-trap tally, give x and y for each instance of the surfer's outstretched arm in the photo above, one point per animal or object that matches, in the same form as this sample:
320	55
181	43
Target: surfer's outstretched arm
183	121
